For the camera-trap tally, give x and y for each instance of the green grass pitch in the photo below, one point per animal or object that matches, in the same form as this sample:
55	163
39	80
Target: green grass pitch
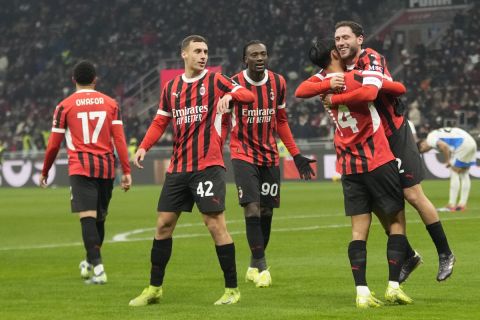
40	248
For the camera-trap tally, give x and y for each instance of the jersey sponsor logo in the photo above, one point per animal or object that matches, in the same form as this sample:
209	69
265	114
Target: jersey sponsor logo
89	101
258	115
189	115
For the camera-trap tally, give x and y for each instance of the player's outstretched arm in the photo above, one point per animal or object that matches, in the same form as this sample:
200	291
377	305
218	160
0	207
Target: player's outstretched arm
394	88
314	86
366	93
302	163
154	132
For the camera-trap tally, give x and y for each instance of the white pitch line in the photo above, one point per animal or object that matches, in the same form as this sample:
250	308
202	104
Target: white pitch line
206	234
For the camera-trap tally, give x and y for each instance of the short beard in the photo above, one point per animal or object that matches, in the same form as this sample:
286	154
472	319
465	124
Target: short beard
351	55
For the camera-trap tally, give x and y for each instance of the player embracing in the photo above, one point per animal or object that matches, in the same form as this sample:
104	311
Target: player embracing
370	178
349	39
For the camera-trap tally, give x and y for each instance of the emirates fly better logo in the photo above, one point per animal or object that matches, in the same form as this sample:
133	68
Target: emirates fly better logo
189	115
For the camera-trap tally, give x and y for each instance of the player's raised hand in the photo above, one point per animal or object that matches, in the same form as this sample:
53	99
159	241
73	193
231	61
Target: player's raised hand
303	166
337	82
126	182
139	156
223	104
43	181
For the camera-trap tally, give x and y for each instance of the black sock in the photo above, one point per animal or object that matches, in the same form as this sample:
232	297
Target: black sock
357	253
439	238
266	225
409	250
255	241
101	230
396	246
91	240
226	257
160	254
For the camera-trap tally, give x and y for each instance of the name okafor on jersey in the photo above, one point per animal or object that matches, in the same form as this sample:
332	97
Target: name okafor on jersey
254	125
86	118
197	127
370	60
360	141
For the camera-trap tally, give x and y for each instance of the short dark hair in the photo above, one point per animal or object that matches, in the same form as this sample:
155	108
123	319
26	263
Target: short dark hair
357	28
320	51
84	72
192	38
248	44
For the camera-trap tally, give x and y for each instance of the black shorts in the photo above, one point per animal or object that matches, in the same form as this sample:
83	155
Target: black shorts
377	189
206	188
409	162
91	194
257	184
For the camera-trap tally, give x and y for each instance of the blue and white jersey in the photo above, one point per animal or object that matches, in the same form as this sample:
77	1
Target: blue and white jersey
462	145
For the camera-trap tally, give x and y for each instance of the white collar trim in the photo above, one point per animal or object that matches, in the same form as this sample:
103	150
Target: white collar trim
190	80
86	90
256	83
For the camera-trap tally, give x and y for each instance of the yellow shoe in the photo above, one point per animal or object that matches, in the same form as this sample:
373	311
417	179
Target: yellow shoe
264	279
150	295
396	295
231	296
252	274
368	301
86	269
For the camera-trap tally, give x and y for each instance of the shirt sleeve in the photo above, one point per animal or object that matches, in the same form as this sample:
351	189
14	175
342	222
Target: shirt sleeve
59	123
432	139
164	107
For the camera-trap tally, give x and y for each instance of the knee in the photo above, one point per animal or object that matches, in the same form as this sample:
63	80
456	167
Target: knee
252	209
413	196
266	212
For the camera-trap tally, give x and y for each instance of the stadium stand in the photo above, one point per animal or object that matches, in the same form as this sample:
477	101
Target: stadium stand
42	40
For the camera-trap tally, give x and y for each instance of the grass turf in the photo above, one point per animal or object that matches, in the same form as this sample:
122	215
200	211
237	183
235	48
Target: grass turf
40	248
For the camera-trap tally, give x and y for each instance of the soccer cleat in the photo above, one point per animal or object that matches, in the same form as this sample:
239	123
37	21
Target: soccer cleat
85	269
368	301
447	208
231	296
97	279
149	295
264	279
409	266
396	295
252	274
460	208
445	266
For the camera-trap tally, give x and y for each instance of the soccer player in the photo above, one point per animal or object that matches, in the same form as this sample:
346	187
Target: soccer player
255	156
348	40
370	178
459	150
89	120
196	173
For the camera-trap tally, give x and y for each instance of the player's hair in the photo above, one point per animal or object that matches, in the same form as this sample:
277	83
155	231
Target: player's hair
84	72
357	28
320	51
248	44
192	38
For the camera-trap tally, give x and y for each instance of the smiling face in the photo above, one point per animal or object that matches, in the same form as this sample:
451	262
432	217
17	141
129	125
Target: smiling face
347	43
195	56
256	57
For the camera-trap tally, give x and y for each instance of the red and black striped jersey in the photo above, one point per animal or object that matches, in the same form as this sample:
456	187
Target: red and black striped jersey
370	60
360	141
87	119
254	125
197	127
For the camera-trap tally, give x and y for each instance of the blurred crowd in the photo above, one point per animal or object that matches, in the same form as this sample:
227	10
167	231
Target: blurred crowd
41	41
